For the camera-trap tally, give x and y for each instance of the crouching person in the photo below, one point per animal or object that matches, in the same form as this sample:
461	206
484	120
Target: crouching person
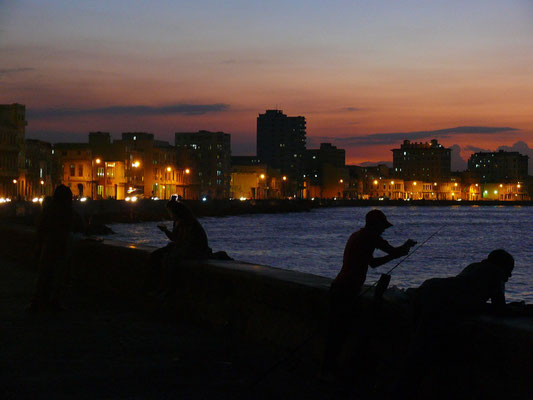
440	307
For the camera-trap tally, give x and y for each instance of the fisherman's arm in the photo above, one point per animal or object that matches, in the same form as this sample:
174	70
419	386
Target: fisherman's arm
497	304
378	261
396	252
392	252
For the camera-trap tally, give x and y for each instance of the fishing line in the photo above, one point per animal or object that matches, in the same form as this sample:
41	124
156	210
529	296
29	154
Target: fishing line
403	259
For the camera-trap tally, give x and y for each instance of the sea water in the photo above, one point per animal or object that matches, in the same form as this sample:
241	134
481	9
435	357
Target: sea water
314	241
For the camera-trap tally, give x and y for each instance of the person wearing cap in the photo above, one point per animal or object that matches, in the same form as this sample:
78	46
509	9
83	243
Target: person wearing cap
439	308
345	288
359	253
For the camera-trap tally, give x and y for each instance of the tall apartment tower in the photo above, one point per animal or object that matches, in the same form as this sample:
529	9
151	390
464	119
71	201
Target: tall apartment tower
421	161
500	166
12	130
208	156
281	144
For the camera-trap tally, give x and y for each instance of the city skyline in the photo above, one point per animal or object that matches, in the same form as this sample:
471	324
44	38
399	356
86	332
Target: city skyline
362	74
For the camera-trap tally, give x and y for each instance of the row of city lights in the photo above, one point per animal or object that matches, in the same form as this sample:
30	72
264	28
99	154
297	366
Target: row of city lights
435	184
15	181
137	164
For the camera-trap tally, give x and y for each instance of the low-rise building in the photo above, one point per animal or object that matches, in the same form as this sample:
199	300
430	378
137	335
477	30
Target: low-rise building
325	173
258	182
39	167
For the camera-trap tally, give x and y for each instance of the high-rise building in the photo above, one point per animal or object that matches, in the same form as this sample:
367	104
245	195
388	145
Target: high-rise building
281	145
422	161
207	155
500	166
12	130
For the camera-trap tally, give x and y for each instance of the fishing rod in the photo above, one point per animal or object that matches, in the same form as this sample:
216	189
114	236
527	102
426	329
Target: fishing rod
419	246
384	279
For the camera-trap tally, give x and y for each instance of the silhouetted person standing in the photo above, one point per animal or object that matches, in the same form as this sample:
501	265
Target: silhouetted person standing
54	243
346	287
440	305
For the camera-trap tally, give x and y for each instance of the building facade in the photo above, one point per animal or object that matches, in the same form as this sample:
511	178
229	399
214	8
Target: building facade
281	145
325	173
41	177
421	161
256	182
207	155
134	166
500	166
12	130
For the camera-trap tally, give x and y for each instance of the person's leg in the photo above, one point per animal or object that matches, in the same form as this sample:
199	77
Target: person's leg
341	305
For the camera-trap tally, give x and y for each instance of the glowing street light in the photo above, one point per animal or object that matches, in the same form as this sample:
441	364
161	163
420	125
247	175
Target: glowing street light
169	169
262	176
187	171
341	180
98	161
136	164
42	182
375	182
414	183
284	177
14	181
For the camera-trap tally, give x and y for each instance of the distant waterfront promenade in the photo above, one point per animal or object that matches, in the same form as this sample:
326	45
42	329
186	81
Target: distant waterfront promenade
113	211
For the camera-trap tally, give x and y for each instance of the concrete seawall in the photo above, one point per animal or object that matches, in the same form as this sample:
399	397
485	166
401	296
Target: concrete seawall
284	309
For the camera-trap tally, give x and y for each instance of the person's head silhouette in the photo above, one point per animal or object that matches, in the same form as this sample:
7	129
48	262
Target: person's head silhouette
377	221
504	260
178	210
62	196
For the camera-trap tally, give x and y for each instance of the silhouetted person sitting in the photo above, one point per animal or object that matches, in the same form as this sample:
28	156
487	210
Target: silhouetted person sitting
54	242
346	287
188	241
440	306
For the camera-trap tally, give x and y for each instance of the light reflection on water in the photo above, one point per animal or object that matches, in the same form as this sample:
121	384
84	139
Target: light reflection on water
313	242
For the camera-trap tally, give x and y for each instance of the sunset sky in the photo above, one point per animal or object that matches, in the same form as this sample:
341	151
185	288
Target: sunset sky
365	74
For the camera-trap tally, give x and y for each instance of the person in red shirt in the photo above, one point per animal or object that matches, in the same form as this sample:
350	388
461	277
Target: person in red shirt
346	287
